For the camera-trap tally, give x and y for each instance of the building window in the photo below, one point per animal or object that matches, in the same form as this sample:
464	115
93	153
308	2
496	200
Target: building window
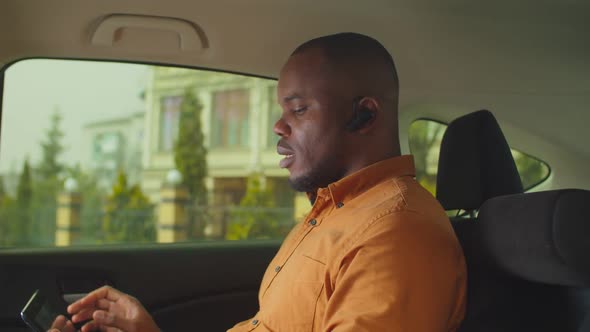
228	191
230	127
169	118
108	154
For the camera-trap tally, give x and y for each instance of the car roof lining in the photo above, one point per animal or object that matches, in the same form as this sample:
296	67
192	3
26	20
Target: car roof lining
525	61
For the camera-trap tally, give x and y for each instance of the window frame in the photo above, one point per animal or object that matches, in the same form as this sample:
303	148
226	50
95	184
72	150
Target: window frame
125	245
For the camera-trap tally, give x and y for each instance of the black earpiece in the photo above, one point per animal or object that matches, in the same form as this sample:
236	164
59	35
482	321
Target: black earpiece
360	116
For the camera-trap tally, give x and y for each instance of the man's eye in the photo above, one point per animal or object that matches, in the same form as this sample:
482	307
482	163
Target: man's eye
300	110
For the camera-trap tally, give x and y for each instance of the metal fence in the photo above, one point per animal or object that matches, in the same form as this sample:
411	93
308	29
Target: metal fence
140	226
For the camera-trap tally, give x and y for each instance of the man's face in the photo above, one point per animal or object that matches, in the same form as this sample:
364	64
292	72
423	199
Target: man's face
316	106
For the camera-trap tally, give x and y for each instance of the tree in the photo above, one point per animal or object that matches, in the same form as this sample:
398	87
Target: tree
424	135
24	189
52	148
531	169
2	188
47	182
190	158
92	205
20	225
190	154
257	216
7	215
128	214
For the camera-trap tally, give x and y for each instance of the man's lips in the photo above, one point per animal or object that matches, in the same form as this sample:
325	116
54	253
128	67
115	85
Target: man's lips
286	151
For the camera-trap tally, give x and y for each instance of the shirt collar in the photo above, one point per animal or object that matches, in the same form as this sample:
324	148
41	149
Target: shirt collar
360	181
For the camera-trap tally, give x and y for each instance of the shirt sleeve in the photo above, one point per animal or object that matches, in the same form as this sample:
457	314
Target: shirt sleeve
403	273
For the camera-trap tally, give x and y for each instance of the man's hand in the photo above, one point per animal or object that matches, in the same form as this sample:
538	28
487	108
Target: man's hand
62	324
112	311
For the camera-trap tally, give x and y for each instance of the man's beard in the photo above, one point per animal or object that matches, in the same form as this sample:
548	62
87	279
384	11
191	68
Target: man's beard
317	178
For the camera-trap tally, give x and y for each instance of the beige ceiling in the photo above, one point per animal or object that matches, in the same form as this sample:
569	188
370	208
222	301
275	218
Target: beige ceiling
527	61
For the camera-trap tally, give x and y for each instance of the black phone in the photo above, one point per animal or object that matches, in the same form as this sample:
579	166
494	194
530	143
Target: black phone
40	314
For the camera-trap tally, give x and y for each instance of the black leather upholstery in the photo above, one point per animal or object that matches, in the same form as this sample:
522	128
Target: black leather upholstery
475	163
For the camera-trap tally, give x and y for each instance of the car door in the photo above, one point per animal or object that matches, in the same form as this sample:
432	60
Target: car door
204	286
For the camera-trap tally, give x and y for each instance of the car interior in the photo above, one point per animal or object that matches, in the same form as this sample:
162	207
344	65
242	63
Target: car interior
501	87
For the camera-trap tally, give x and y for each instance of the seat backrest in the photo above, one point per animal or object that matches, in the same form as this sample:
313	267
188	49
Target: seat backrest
530	263
475	163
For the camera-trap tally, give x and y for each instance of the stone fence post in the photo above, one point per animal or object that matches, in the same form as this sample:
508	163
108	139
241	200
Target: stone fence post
172	214
68	214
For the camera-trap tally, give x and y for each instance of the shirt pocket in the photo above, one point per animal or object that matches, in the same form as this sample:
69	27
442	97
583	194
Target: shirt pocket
293	303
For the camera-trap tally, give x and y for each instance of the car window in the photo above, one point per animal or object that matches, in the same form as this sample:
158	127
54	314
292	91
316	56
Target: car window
101	152
424	138
532	170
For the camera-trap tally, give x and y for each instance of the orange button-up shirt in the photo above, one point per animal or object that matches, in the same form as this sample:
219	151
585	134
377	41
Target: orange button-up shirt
376	253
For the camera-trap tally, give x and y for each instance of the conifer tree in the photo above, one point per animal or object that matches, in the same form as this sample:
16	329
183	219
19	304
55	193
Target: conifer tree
20	225
52	148
190	158
2	189
257	215
47	182
7	214
190	154
128	214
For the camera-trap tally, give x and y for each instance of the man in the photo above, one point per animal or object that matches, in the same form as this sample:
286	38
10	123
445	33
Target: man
376	252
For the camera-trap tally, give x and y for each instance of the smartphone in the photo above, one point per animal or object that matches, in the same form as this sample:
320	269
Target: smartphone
39	314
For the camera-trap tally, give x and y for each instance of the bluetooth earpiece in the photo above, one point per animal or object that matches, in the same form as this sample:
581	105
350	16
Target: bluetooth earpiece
360	115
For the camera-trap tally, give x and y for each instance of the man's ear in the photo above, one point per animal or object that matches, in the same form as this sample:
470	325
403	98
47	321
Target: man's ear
364	115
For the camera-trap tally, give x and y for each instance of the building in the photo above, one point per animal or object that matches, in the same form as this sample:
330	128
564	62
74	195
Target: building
238	115
114	144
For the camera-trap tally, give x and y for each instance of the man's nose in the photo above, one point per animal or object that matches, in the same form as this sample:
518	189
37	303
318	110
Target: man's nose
282	128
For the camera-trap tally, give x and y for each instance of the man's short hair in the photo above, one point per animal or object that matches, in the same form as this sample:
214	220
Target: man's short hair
350	47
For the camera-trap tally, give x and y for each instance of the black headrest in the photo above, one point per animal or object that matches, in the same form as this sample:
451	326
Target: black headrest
475	163
543	236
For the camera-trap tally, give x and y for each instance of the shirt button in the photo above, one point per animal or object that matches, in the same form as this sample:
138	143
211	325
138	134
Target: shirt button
313	222
254	322
277	269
